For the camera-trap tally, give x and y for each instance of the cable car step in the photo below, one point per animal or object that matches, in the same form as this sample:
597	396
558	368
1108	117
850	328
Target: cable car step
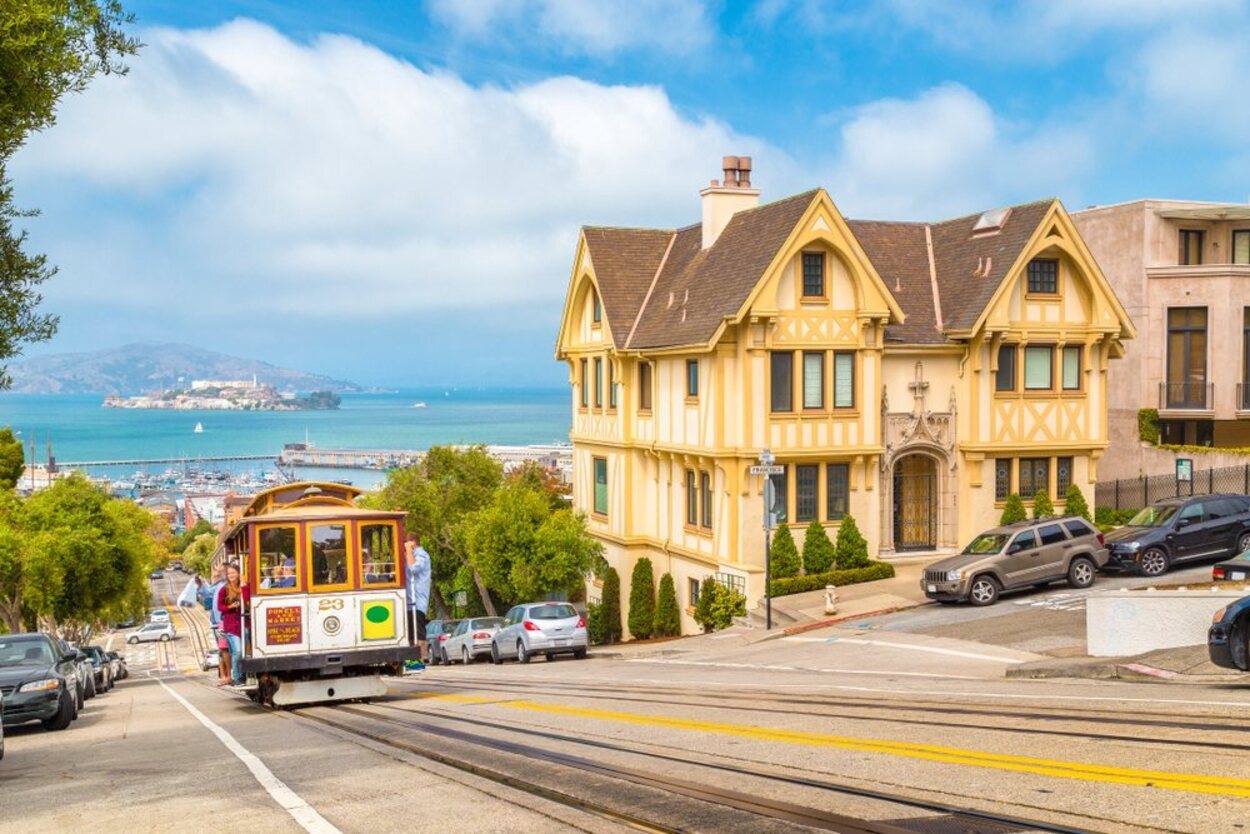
330	689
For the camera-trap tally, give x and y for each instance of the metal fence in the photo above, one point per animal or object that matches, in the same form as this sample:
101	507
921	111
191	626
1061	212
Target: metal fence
1134	493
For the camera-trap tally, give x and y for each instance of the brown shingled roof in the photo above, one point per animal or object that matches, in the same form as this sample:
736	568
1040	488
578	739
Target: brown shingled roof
901	257
625	262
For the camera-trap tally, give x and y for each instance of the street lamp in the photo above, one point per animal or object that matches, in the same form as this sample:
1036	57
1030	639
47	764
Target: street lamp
768	467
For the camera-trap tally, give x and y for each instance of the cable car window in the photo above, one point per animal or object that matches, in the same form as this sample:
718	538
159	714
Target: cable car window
278	565
329	554
377	554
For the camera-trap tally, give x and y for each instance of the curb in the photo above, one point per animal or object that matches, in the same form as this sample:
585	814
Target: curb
812	626
1138	672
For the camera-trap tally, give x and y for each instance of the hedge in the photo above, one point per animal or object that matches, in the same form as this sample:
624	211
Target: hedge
1148	424
817	581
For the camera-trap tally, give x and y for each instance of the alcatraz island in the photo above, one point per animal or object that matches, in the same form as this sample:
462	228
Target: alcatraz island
227	395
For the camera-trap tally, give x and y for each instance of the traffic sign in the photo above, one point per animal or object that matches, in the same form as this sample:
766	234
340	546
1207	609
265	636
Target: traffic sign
768	470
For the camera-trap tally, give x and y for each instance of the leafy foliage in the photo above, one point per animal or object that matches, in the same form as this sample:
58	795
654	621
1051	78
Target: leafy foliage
1042	505
183	540
1074	503
12	459
611	603
667	614
784	558
1148	425
596	627
852	548
718	605
535	477
1113	517
818	552
642	600
817	581
1013	511
197	558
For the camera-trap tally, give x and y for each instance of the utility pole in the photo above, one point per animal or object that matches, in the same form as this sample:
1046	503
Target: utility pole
768	467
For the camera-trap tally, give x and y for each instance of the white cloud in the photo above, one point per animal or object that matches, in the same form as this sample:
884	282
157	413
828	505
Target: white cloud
1192	83
603	27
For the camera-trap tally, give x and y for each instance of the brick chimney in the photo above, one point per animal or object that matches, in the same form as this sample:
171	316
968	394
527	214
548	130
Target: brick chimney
722	200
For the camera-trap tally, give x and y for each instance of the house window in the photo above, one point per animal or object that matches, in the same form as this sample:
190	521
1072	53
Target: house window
813	275
1241	246
611	386
814	380
1243	403
692	378
1044	275
692	591
1005	377
644	386
705	495
837	486
781	381
692	499
598	307
843	380
1038	368
598	383
1034	475
1191	247
1063	475
1002	479
806	478
1072	369
585	384
601	486
781	500
1187	357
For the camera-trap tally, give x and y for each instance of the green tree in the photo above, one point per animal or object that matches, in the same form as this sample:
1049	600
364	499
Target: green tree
48	49
1042	505
784	555
818	553
718	605
611	606
197	558
12	459
1074	502
533	476
1013	511
852	548
667	614
183	540
642	600
596	628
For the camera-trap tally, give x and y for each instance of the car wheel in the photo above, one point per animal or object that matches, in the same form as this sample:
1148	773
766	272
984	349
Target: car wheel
465	657
580	654
134	641
1154	562
64	715
495	657
984	590
551	656
164	638
1243	542
1081	572
80	697
91	687
521	654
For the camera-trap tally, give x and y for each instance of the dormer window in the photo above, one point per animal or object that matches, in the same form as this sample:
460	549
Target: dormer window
1044	276
813	274
597	314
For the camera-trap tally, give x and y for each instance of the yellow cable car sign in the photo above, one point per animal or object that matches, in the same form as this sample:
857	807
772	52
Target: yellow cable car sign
377	621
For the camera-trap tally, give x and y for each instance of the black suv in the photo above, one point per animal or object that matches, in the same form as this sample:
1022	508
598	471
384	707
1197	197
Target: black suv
37	681
1181	530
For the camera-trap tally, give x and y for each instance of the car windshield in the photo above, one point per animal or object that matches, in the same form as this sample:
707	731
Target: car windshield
487	622
559	611
29	652
1153	516
987	543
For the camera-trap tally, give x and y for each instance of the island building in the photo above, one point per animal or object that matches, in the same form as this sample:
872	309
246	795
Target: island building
1182	270
911	374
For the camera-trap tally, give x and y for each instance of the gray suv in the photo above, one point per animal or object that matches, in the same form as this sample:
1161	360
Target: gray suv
1021	555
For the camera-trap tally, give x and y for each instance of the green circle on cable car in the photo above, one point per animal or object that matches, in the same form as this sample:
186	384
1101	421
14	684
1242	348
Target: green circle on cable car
378	613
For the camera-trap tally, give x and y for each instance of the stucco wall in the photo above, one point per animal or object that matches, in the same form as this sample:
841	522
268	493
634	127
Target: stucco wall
1125	623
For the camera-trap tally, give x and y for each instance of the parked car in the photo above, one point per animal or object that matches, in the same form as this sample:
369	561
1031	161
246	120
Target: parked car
37	681
158	615
1227	638
1181	530
471	639
548	628
120	672
1021	555
101	667
211	660
82	671
153	632
129	622
436	634
1236	569
1	726
157	574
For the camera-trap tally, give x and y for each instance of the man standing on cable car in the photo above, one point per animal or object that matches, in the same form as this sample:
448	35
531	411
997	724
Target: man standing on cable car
418	593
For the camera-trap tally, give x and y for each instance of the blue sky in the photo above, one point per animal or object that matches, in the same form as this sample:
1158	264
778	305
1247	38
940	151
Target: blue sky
391	191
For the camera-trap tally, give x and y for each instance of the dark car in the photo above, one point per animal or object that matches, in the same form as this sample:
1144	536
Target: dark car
1226	639
436	634
120	672
37	681
101	668
1181	530
85	668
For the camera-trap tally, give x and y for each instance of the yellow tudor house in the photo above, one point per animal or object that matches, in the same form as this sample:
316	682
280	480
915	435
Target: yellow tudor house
910	374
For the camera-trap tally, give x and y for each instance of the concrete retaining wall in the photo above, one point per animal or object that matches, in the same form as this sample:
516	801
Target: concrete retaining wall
1124	623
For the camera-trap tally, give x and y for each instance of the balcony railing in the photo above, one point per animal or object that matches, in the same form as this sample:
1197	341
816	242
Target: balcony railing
1196	396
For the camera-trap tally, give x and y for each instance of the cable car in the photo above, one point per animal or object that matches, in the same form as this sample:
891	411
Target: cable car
328	614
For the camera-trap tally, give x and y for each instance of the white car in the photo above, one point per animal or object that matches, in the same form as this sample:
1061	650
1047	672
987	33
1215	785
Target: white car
471	639
158	615
547	628
212	660
152	632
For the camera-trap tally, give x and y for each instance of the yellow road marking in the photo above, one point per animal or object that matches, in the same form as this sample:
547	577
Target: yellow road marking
1197	783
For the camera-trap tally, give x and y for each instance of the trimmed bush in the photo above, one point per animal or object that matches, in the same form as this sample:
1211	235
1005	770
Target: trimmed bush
642	600
1148	425
596	628
1112	518
817	581
852	549
1042	505
611	606
718	606
709	590
1013	511
667	614
1074	503
818	553
784	555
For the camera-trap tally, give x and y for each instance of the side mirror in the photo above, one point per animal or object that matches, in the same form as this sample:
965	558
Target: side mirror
1183	522
69	657
1014	547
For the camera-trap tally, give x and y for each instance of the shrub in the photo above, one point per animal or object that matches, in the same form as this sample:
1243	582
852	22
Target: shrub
667	614
642	600
1074	503
818	553
784	556
1148	425
718	606
1042	505
611	606
817	581
852	549
1013	511
709	590
596	628
1111	517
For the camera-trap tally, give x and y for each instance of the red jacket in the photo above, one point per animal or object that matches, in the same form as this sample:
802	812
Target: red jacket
232	617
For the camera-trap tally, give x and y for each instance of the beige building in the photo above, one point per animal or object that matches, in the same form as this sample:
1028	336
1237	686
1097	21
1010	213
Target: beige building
1181	269
912	375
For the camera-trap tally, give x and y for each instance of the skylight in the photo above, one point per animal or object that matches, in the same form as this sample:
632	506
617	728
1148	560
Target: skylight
991	221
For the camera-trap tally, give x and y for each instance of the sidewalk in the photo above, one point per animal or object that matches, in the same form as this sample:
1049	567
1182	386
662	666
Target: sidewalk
808	609
1186	664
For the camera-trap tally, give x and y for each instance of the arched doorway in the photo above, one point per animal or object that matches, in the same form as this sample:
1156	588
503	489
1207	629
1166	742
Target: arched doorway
915	491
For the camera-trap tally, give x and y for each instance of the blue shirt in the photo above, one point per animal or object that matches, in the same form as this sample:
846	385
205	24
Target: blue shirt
208	598
419	581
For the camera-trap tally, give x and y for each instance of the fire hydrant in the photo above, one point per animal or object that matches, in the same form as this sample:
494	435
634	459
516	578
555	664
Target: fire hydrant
831	599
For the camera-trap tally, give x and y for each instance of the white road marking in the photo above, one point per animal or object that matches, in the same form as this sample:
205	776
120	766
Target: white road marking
862	641
300	811
777	668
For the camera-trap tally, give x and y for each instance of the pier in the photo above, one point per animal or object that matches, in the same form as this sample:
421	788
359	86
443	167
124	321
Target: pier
87	464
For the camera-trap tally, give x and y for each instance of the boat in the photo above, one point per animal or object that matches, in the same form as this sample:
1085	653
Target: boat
419	405
199	428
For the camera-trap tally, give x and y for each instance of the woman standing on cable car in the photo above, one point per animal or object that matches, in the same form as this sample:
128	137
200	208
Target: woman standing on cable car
232	602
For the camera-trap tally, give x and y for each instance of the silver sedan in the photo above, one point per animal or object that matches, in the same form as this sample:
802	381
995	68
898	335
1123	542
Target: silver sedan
547	628
471	639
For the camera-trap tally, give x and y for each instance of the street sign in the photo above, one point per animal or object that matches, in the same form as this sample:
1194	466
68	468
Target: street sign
768	470
1184	470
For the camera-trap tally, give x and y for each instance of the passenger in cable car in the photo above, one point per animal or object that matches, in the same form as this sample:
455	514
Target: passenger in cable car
282	577
232	602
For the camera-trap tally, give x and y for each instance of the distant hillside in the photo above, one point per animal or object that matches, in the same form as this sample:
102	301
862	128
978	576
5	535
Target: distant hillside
145	367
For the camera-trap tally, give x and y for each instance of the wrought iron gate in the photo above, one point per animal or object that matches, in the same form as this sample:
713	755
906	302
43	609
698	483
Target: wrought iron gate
915	503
